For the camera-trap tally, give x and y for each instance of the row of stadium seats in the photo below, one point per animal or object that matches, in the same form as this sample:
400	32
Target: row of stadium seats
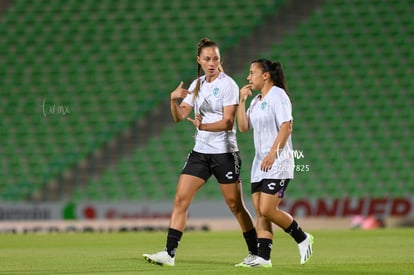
109	63
344	112
349	76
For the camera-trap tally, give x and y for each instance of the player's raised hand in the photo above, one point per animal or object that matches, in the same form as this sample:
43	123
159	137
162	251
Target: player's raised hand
179	92
245	91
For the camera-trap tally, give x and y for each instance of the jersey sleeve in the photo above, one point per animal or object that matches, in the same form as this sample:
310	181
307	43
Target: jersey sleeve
231	94
189	98
283	109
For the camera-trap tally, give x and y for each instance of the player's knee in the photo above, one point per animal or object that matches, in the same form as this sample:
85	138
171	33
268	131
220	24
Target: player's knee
266	211
181	202
234	206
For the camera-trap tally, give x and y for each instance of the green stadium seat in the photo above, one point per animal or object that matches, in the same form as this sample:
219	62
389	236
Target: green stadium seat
105	60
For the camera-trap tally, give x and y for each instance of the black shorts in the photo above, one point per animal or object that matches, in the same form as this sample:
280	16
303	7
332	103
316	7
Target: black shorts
225	167
271	186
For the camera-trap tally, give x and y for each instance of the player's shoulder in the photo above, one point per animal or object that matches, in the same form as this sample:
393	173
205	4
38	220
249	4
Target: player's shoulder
277	93
225	79
194	82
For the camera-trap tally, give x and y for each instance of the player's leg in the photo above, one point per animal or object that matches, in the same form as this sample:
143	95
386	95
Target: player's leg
193	176
232	193
264	232
226	169
264	235
195	173
186	189
269	207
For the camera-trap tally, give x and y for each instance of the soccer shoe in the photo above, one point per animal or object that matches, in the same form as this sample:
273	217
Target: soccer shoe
257	262
159	258
246	260
305	248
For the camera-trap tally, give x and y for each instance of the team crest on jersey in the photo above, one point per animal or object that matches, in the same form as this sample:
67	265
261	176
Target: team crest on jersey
216	92
263	105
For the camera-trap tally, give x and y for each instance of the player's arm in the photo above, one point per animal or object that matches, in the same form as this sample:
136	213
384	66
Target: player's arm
242	120
226	123
278	145
179	111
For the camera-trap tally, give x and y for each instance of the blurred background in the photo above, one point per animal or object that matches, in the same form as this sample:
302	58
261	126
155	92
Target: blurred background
85	101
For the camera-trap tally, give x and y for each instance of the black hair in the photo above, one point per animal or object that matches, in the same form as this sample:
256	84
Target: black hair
275	70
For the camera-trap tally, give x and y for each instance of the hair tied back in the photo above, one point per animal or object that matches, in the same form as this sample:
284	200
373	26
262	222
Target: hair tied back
275	66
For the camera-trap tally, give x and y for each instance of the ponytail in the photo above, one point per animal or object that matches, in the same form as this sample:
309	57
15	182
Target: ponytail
198	84
278	76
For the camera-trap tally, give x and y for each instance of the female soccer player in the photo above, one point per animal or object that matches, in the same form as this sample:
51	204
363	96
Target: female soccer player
270	117
214	97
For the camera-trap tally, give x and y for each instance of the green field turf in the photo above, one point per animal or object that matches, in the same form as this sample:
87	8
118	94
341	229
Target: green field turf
385	251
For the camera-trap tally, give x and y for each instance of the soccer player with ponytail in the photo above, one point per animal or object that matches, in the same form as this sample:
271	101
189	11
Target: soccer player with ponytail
214	97
270	117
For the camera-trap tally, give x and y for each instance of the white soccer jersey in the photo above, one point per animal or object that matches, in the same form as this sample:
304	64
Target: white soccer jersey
210	103
265	116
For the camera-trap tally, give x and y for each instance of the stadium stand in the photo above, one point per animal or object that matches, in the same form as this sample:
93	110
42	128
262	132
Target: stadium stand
77	73
349	69
337	106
